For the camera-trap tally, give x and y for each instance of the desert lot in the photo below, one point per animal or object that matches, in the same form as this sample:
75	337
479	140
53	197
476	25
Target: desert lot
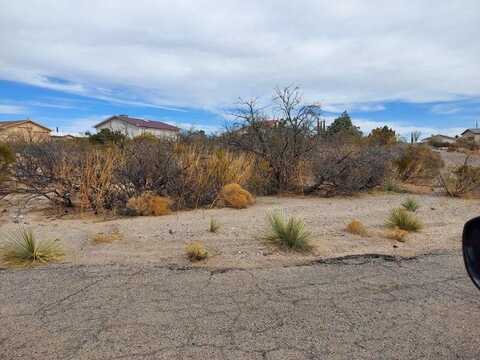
239	243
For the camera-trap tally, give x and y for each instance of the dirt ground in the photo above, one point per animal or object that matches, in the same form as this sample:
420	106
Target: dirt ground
238	243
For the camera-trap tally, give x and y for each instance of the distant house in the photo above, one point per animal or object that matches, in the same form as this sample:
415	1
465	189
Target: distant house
63	137
440	139
133	127
472	134
23	130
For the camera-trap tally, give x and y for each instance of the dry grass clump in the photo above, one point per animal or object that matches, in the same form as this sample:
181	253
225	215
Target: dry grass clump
237	197
107	238
404	220
149	204
288	232
357	228
396	234
196	251
410	205
22	248
214	226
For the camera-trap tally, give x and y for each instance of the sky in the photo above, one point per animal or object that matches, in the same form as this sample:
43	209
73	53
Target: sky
411	65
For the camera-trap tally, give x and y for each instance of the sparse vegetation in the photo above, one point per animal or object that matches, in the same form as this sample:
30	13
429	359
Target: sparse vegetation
149	204
462	180
107	238
396	234
214	226
392	185
288	232
418	162
22	248
404	220
357	228
410	205
196	251
237	197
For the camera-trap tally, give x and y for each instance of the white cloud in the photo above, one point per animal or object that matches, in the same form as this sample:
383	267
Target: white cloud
11	109
207	53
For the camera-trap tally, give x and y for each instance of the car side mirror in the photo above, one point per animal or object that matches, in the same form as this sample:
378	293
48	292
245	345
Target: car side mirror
471	249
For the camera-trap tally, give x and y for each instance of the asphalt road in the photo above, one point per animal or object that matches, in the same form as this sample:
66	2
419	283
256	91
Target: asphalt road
355	308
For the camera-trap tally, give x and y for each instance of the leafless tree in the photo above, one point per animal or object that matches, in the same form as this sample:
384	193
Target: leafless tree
284	140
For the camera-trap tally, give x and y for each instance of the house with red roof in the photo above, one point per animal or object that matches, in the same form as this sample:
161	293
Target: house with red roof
133	127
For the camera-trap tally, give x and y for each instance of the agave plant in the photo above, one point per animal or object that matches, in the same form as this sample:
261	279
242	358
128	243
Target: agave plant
23	248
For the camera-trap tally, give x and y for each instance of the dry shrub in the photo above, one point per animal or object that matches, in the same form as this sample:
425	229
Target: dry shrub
205	172
196	251
418	162
357	228
96	179
462	180
149	204
235	196
7	158
341	168
214	226
396	234
107	238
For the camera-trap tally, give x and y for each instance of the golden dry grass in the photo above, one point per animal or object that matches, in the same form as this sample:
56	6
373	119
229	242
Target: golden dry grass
396	234
196	251
107	238
357	228
149	205
237	197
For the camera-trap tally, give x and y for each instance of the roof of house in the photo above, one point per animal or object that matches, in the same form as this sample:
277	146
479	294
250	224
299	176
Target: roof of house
474	131
142	123
5	124
442	136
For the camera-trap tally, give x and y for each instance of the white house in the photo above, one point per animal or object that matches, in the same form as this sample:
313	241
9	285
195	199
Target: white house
440	139
133	127
472	134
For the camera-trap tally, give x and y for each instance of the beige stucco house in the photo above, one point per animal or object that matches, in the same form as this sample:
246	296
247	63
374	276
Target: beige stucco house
25	130
472	134
133	127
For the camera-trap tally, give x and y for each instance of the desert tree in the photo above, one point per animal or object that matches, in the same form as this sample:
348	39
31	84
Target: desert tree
343	126
283	134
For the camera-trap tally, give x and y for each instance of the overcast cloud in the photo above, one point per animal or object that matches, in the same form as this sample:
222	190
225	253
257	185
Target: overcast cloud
208	53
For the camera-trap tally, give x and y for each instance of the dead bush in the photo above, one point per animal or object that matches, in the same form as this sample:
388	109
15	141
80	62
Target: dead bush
344	169
462	180
396	234
7	158
49	169
196	251
107	238
235	196
418	162
96	179
357	228
149	204
204	172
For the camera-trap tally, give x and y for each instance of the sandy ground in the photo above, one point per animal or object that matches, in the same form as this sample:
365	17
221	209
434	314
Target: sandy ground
238	243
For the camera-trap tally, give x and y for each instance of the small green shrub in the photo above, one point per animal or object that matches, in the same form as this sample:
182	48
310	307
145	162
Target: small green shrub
410	205
288	232
214	226
23	248
404	220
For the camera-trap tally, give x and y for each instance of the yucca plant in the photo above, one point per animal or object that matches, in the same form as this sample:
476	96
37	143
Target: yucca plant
23	248
404	220
410	205
288	232
214	226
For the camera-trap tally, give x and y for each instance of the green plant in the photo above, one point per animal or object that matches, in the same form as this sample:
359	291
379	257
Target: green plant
404	220
410	205
23	248
288	232
214	226
196	251
357	228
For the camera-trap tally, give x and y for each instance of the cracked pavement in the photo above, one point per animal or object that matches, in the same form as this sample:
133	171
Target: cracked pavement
363	307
